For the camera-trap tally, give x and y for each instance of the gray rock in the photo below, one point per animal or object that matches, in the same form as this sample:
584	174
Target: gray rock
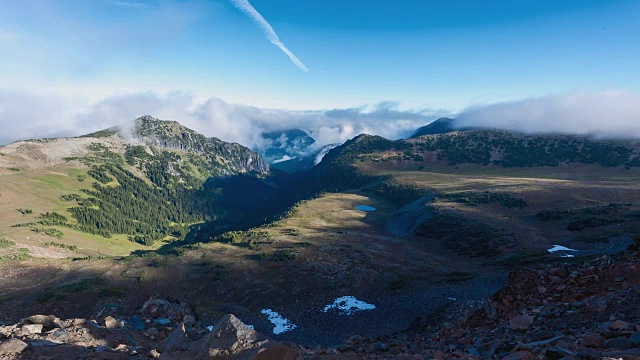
110	323
176	341
620	343
44	320
30	329
43	343
12	346
521	322
163	321
230	338
59	335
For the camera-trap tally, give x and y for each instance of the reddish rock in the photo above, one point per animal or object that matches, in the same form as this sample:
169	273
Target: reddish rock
591	341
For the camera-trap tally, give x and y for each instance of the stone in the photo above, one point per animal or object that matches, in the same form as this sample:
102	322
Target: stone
110	323
163	321
43	343
176	341
278	352
12	346
556	353
230	338
136	323
154	354
30	329
620	343
520	355
591	341
44	320
635	338
59	335
189	319
521	322
618	325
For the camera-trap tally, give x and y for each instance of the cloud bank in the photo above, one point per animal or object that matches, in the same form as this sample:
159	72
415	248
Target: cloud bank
246	7
26	115
613	114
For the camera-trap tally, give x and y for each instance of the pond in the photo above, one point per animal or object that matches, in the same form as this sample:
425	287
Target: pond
365	208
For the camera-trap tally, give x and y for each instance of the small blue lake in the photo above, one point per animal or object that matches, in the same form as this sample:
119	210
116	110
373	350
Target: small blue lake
365	208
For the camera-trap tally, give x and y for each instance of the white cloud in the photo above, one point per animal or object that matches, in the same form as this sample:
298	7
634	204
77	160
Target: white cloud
608	114
267	29
29	115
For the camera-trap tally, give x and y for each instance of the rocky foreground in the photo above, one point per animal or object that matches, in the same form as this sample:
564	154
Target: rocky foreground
585	310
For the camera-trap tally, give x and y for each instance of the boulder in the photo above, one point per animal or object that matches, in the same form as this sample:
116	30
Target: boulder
176	341
618	325
230	338
591	341
620	343
44	320
110	323
12	346
30	329
521	322
278	352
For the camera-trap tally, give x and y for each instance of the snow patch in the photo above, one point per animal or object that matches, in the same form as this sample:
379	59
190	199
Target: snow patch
280	324
348	305
557	248
284	158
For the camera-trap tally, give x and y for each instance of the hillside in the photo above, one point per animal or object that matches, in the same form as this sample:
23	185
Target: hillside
117	189
106	220
439	126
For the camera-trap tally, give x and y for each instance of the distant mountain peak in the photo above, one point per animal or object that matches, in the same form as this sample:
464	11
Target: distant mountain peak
281	146
442	125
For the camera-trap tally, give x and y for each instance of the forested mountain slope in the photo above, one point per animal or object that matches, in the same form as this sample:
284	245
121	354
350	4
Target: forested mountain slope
143	180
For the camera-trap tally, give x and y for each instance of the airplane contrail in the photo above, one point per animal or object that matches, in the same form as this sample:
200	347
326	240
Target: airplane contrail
268	31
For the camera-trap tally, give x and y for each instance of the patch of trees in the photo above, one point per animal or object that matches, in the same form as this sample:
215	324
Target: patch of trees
396	192
518	150
484	197
136	208
465	236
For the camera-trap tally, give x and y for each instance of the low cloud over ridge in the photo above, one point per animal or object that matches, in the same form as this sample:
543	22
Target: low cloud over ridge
25	115
614	114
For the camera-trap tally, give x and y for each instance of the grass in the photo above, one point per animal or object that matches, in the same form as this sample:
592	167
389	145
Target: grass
4	243
91	284
21	254
62	246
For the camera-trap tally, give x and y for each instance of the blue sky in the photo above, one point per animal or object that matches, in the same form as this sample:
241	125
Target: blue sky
435	54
